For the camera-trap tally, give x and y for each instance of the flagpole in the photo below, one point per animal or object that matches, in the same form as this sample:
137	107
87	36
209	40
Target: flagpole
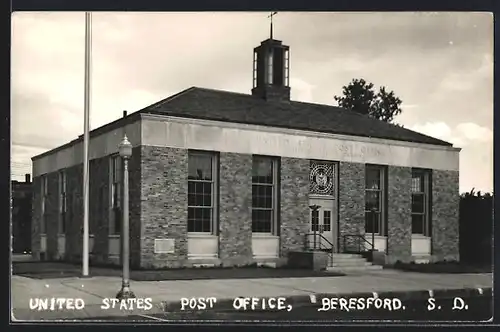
87	93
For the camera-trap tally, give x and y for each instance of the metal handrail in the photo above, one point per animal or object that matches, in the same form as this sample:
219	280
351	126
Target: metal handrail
361	237
320	243
373	212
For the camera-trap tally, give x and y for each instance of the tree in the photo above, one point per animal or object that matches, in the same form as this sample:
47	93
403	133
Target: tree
359	96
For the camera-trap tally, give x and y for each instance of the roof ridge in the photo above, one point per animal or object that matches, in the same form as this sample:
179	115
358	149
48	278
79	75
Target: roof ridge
224	91
168	99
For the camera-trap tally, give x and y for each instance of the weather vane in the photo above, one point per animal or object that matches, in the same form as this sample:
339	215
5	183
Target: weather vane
271	17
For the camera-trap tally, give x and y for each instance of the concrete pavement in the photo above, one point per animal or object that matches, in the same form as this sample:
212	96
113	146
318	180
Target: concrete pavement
166	295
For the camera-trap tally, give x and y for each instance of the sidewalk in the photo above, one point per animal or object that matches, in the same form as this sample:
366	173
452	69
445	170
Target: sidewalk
166	295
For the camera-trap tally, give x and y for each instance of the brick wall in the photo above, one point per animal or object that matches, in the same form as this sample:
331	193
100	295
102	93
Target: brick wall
351	202
445	208
235	209
99	203
294	203
163	204
135	188
399	214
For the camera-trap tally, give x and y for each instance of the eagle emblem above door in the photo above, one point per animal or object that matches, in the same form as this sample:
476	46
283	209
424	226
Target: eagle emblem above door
321	178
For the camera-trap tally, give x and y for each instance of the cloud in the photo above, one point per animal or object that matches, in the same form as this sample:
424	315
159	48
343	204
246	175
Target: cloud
463	134
476	157
435	129
302	90
474	132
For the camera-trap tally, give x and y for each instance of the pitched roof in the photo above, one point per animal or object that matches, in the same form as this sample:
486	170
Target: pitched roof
242	108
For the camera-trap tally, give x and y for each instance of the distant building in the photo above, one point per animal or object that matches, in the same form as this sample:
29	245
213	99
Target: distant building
21	215
227	178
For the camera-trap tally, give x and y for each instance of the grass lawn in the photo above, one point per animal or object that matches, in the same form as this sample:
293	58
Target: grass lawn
45	270
444	267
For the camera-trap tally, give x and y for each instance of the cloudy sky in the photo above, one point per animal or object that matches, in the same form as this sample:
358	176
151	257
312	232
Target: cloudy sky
440	65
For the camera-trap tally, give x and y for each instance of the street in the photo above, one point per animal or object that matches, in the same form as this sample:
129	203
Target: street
477	308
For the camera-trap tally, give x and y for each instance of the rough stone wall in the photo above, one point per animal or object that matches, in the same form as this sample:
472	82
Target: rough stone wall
399	214
235	210
445	218
294	204
163	204
351	203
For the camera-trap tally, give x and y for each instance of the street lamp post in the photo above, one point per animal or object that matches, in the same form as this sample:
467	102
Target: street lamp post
125	152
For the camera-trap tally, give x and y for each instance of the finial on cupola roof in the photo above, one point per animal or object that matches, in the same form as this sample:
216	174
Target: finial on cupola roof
271	27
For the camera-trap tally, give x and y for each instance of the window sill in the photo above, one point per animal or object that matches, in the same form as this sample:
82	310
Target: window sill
264	235
201	235
376	235
61	235
420	236
114	236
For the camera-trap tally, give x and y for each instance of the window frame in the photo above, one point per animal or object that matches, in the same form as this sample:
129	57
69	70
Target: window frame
255	65
270	67
214	185
382	202
425	177
274	227
63	203
329	224
287	67
43	200
315	226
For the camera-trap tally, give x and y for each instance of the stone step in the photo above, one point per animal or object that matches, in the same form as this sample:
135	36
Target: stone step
347	259
346	255
353	268
350	264
422	259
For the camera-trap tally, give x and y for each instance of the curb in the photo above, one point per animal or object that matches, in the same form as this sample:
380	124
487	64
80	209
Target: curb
315	299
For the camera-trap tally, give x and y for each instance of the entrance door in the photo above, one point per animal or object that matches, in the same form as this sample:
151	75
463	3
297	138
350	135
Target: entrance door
323	224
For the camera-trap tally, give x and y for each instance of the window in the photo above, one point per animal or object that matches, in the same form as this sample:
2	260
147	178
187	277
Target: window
315	220
62	203
255	68
202	173
116	195
43	196
327	217
420	202
374	199
70	205
264	195
279	66
270	67
287	67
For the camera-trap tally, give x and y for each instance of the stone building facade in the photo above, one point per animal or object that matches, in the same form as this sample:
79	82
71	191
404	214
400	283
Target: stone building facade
230	179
